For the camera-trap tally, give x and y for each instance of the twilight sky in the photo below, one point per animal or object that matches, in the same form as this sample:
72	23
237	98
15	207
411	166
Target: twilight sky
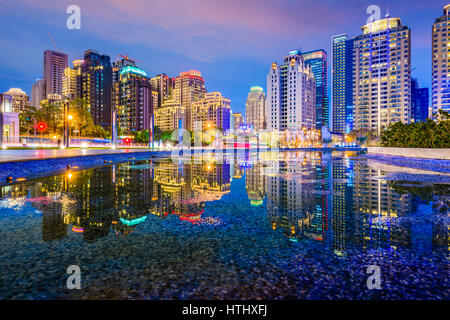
232	42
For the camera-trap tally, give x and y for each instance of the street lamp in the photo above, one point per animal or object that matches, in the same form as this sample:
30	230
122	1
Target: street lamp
69	119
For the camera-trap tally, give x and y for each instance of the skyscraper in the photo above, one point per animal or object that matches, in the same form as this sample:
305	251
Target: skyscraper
382	75
189	88
291	95
53	71
419	101
440	89
132	100
95	86
70	82
342	84
20	100
317	59
37	93
255	108
163	85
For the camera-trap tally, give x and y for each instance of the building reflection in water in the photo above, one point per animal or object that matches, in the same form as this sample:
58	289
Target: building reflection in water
342	203
119	197
331	199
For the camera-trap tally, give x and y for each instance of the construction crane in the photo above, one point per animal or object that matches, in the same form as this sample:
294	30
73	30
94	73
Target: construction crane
54	44
126	57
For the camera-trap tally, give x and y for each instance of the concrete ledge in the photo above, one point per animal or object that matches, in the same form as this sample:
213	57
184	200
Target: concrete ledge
426	153
31	169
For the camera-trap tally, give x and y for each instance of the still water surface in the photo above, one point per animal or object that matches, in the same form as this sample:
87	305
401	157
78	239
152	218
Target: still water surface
297	225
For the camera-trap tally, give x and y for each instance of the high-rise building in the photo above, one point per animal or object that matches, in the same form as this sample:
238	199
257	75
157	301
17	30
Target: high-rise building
255	109
20	100
119	64
382	75
440	88
70	77
167	116
163	85
95	86
291	95
342	84
238	120
37	93
53	71
317	59
132	100
419	101
213	111
189	88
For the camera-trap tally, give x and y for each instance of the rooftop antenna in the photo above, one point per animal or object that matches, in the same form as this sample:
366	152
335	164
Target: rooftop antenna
56	48
387	13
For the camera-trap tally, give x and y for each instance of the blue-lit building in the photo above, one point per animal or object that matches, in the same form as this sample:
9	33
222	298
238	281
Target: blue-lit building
419	101
132	98
317	60
342	84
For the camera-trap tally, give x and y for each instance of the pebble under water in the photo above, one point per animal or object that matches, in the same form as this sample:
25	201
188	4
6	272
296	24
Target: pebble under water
296	225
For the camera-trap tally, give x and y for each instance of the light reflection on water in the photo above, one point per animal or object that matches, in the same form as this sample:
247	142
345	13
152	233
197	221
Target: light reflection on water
293	225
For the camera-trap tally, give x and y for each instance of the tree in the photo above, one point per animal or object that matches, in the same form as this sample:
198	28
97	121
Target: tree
427	134
157	133
141	136
51	114
26	119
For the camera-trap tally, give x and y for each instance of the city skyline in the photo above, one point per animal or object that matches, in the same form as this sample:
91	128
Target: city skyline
233	70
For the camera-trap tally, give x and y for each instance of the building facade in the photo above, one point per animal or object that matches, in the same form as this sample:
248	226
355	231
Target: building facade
317	59
238	120
291	95
53	71
168	116
419	101
20	100
132	100
255	109
95	86
69	89
9	121
342	84
37	93
213	111
382	75
163	85
440	89
189	88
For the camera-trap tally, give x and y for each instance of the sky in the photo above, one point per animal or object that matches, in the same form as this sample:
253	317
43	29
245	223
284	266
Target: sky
232	42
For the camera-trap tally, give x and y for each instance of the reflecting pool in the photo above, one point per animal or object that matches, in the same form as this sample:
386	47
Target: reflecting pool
289	226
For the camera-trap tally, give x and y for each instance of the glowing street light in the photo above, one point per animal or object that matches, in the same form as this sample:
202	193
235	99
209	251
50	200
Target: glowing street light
69	119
